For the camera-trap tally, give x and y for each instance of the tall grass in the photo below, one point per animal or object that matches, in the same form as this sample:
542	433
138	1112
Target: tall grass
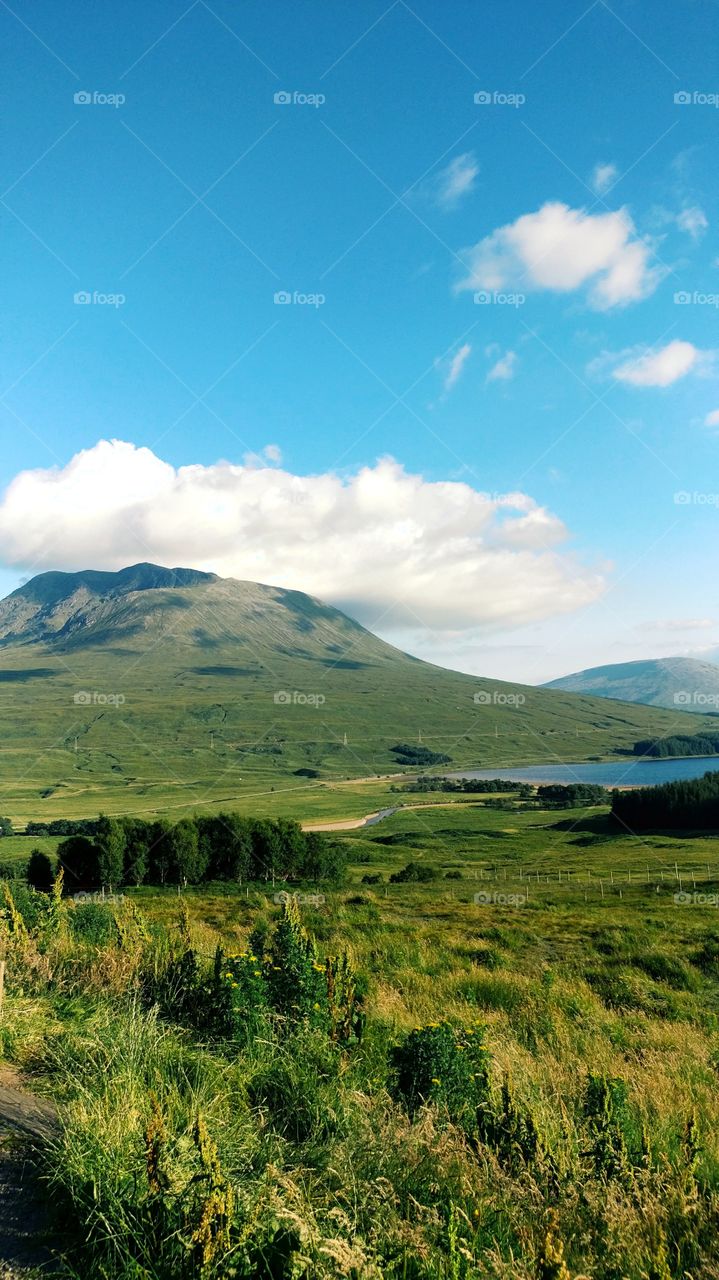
278	1141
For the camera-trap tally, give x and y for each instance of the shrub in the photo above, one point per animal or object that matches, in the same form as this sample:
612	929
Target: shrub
236	1002
39	872
92	923
442	1064
12	870
605	1107
413	873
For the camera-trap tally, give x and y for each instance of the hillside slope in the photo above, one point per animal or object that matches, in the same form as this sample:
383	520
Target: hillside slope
155	688
684	684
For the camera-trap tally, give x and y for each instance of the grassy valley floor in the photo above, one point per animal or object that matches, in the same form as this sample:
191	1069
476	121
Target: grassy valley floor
586	962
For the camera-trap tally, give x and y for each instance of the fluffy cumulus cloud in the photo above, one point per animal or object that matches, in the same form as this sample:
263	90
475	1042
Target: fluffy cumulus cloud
662	366
457	180
392	548
564	249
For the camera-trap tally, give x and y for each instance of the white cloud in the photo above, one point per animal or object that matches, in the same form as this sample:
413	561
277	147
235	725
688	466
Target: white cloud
603	176
560	248
271	454
712	419
457	180
504	369
692	220
390	547
662	367
456	365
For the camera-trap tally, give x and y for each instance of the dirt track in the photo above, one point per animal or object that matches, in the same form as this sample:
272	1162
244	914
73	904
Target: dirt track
24	1245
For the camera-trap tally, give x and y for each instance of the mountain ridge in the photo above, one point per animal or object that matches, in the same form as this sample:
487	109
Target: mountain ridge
129	689
687	684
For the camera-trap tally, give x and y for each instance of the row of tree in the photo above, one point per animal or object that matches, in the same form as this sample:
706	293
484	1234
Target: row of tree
692	805
227	846
468	786
558	795
63	827
571	795
407	753
705	743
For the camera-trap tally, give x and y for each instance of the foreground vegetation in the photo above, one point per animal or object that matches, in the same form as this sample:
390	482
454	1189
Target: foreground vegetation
511	1073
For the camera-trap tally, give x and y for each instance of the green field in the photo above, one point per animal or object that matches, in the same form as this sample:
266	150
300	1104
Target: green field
586	963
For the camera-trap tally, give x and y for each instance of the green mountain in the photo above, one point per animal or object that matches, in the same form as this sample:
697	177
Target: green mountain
683	684
160	688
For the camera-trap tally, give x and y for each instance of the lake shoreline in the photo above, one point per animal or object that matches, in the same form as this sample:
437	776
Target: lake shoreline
615	775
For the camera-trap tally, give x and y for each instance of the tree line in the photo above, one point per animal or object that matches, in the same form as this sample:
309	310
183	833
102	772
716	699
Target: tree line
407	753
467	786
690	805
572	794
226	846
554	794
705	743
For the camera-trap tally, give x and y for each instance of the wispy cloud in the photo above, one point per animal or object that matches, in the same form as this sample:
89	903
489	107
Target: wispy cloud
661	367
693	220
456	366
505	368
271	453
457	180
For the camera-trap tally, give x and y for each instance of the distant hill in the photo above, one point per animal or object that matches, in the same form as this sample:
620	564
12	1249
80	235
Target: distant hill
683	684
169	688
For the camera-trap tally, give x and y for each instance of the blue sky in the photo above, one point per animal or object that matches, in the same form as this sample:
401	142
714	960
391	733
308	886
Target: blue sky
576	194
